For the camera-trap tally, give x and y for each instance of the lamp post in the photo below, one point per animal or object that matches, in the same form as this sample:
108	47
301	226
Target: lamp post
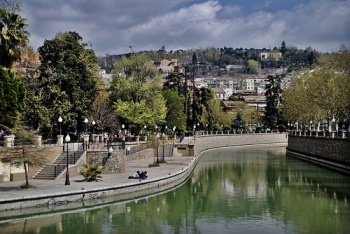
93	126
60	121
174	128
86	125
197	126
67	139
110	151
123	126
206	125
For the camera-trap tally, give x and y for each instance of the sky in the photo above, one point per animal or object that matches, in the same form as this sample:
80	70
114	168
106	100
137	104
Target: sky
113	26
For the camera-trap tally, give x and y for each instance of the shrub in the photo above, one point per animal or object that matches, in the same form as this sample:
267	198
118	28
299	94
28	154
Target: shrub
92	172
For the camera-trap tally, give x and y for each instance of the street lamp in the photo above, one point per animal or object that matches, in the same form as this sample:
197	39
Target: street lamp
93	126
123	126
174	128
206	125
67	139
60	121
197	126
110	151
86	124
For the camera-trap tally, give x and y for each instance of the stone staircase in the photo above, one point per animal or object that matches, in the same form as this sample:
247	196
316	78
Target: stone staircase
59	165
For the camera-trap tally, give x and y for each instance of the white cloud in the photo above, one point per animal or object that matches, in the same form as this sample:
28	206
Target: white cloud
112	26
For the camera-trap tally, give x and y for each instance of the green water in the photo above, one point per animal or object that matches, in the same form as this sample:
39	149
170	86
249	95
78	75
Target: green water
236	190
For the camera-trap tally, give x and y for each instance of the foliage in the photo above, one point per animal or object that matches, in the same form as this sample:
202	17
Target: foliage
238	122
12	97
68	83
273	115
136	92
91	172
106	118
13	37
322	93
155	142
213	61
175	115
26	151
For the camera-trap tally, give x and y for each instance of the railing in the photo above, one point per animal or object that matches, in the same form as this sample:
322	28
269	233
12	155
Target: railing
342	134
136	149
62	164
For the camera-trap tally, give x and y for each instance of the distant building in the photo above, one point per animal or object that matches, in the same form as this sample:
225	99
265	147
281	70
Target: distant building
256	84
165	66
274	54
220	93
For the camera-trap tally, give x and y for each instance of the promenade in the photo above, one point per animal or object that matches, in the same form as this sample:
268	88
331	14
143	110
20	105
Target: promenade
10	192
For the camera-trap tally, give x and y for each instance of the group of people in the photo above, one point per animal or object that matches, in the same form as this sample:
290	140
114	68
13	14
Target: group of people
143	175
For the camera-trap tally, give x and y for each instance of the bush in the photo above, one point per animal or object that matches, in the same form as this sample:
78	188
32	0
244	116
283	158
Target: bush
91	172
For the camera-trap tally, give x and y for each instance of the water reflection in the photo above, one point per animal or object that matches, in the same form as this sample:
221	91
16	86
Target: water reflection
241	190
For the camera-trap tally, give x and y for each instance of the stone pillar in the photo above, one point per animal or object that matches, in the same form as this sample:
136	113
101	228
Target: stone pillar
86	140
343	134
38	141
94	138
7	141
333	134
60	140
316	133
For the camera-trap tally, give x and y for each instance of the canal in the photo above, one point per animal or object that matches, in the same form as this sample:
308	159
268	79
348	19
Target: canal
252	189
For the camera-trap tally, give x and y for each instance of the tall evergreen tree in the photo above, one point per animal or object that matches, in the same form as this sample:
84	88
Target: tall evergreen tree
273	117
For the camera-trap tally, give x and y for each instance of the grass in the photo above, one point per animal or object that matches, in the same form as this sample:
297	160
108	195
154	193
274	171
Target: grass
24	186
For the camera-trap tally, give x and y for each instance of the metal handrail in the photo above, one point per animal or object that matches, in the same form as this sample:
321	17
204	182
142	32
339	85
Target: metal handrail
59	167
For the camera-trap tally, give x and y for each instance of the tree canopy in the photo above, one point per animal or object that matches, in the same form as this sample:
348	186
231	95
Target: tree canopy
12	97
13	37
136	92
321	93
68	83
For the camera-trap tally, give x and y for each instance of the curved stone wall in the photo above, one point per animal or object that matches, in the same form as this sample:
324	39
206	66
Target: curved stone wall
206	142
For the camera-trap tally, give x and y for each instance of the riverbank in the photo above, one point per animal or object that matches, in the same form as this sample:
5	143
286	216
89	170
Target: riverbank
53	192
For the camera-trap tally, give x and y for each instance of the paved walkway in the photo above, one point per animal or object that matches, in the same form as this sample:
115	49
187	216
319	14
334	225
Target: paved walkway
11	191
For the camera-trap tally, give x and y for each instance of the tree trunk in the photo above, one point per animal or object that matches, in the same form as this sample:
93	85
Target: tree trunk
26	174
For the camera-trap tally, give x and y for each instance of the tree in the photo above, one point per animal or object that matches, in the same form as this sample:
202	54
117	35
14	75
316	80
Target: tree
322	93
26	151
272	118
238	122
12	97
283	48
68	81
103	113
136	92
175	115
173	81
13	37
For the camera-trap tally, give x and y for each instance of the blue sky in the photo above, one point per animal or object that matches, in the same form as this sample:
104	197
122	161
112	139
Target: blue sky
111	26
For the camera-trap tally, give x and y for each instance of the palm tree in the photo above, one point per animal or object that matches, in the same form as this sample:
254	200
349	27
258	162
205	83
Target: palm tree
13	37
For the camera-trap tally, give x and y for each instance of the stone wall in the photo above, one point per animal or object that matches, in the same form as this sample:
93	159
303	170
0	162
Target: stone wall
204	142
114	163
332	149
